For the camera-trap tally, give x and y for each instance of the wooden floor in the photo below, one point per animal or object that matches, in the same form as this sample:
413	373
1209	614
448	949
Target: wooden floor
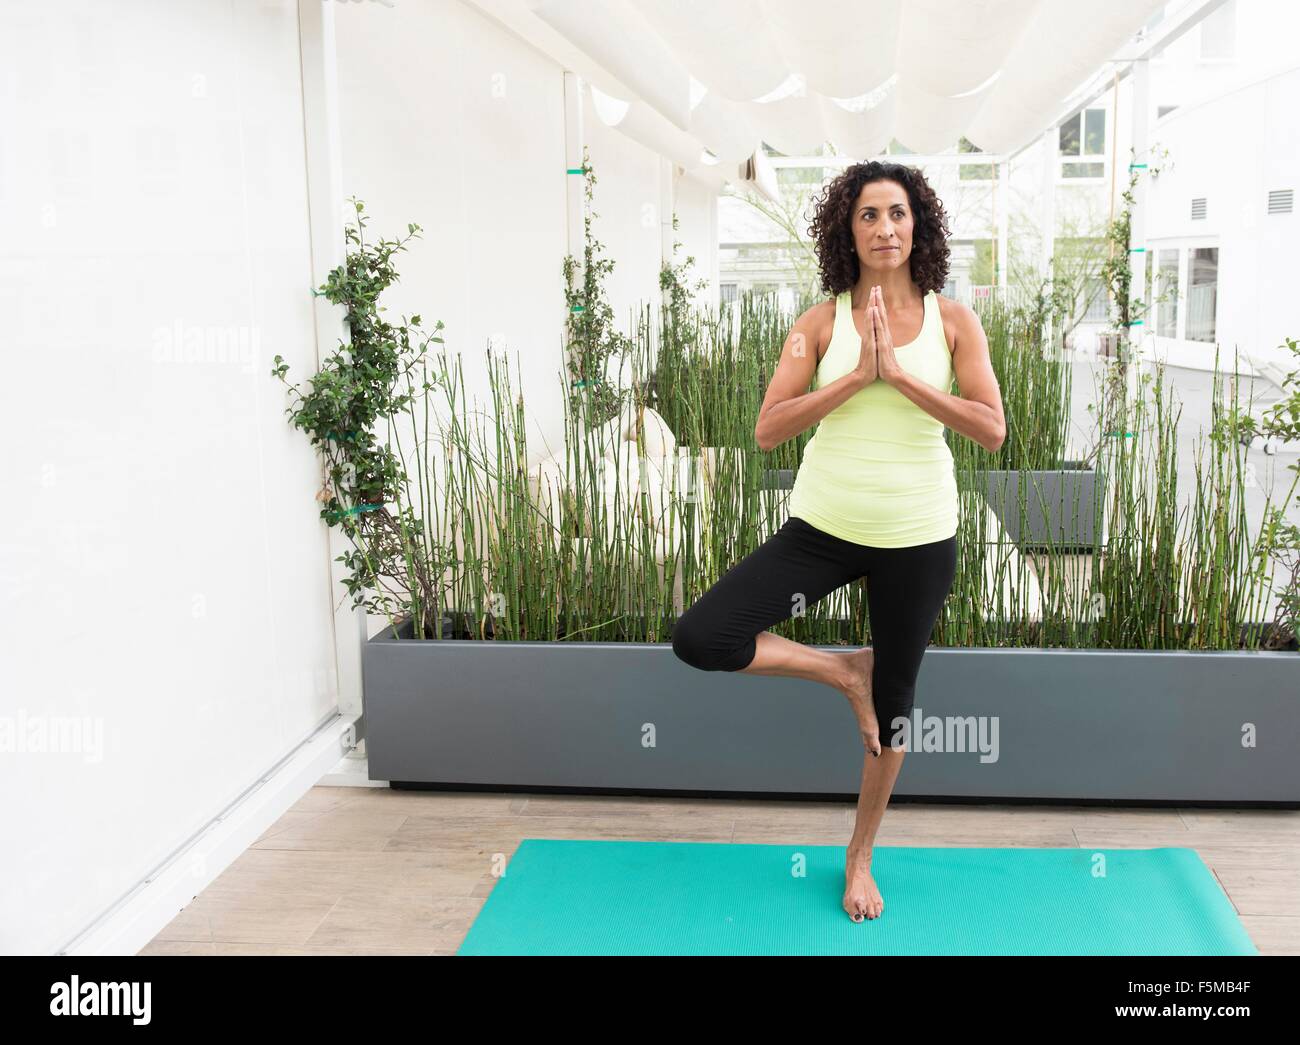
353	870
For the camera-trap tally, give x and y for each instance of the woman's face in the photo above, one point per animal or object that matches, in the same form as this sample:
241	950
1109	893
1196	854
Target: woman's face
882	225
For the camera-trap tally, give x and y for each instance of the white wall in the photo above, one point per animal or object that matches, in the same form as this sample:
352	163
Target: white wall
454	122
626	200
165	573
1248	36
449	122
1234	173
697	231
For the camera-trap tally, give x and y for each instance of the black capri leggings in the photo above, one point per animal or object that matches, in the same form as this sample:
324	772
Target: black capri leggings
800	565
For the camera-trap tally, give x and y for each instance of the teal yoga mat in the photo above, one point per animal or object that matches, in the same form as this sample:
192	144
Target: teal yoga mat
612	897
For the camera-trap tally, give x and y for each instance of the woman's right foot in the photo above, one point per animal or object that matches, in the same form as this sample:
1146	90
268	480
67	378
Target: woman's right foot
858	692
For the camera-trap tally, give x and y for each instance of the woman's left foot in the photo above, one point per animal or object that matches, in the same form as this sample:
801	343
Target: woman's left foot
858	692
861	897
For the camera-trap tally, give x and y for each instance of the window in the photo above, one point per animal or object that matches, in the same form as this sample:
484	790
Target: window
801	176
1094	296
977	172
1219	33
1202	292
1094	132
1167	293
1164	110
1070	137
974	171
728	292
1083	135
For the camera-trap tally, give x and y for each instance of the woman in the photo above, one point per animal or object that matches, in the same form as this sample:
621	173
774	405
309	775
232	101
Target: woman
875	496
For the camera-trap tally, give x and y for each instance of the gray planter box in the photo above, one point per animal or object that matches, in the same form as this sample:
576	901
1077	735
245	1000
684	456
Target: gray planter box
1063	725
1060	505
777	479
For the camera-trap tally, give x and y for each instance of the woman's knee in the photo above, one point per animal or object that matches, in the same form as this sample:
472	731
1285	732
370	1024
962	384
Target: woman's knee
705	647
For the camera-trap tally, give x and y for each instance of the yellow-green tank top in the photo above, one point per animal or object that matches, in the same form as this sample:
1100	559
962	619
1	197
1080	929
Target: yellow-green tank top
877	471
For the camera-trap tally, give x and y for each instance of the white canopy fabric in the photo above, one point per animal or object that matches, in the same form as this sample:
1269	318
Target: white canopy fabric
723	75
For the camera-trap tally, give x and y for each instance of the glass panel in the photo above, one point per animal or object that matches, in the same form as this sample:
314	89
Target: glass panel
1094	138
800	176
1083	170
1070	137
1202	293
1167	290
1096	312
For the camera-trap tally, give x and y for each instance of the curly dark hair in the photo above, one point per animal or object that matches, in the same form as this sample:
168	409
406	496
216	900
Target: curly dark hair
830	227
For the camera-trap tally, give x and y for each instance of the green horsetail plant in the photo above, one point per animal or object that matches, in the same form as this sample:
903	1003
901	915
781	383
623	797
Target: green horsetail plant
1282	537
618	530
1035	384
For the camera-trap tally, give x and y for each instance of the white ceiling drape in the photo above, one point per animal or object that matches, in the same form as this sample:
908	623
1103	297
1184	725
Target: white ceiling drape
723	75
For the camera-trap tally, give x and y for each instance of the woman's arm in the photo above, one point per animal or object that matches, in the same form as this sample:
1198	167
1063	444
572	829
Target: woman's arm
977	412
789	408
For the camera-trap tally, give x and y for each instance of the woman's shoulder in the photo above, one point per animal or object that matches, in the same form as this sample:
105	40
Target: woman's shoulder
955	316
818	314
954	311
817	323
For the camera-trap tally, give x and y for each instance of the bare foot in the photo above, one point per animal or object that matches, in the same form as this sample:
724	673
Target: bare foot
861	897
858	692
